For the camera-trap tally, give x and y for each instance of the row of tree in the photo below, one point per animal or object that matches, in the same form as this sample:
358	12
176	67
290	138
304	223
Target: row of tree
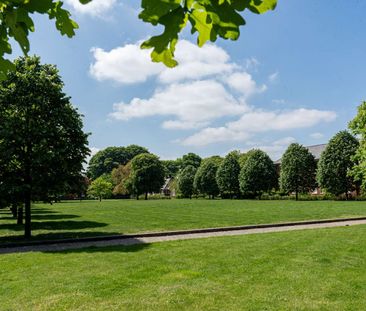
297	173
237	175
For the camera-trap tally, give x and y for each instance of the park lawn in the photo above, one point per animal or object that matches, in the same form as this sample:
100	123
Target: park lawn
94	218
319	269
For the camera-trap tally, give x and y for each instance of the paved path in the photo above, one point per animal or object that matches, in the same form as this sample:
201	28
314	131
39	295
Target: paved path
174	237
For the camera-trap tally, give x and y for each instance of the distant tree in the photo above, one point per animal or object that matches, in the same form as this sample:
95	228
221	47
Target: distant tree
171	167
104	161
147	174
258	174
185	181
227	175
100	188
298	168
358	128
205	178
335	163
120	178
42	143
191	159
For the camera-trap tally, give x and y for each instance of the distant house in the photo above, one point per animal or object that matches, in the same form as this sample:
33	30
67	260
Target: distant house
168	189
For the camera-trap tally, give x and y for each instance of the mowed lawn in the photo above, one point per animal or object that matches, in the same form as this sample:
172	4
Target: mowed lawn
320	269
94	218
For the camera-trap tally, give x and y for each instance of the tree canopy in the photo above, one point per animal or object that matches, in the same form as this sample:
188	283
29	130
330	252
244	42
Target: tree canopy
258	174
358	127
185	181
104	161
210	19
335	163
191	159
205	178
42	143
120	177
147	174
298	168
227	175
100	188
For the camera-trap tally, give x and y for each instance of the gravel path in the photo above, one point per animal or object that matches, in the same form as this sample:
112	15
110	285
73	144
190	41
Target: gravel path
184	236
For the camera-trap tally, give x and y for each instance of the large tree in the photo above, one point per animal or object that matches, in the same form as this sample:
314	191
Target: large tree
258	174
42	143
209	18
335	163
227	175
104	161
298	167
358	127
205	178
185	181
147	174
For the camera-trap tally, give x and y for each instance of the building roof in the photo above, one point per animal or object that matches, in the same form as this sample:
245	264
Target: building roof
315	150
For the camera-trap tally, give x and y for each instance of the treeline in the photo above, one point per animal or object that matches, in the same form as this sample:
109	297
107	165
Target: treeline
132	171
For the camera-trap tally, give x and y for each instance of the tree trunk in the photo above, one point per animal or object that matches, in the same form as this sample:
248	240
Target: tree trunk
297	195
27	205
100	199
346	193
145	195
14	210
20	216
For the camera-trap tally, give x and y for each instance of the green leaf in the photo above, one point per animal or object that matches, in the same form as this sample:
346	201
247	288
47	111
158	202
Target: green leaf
64	23
201	23
164	44
261	6
154	10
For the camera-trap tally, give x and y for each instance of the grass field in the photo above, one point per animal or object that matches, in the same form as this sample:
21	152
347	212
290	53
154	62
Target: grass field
91	218
320	269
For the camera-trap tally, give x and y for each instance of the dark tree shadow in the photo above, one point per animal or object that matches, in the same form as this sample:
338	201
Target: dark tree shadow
53	217
137	246
54	236
56	225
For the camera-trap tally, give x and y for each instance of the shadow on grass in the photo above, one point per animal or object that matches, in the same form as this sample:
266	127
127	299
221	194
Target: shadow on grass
56	225
136	247
55	236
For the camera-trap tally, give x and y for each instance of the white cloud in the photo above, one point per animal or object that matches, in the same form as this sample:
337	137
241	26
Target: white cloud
93	8
317	135
192	104
214	135
263	121
197	63
125	65
129	64
257	121
205	86
243	82
273	77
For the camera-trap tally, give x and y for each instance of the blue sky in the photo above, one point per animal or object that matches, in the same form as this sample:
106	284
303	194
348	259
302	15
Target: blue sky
295	74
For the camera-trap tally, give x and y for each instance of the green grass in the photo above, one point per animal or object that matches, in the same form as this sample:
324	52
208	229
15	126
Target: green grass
92	218
320	269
